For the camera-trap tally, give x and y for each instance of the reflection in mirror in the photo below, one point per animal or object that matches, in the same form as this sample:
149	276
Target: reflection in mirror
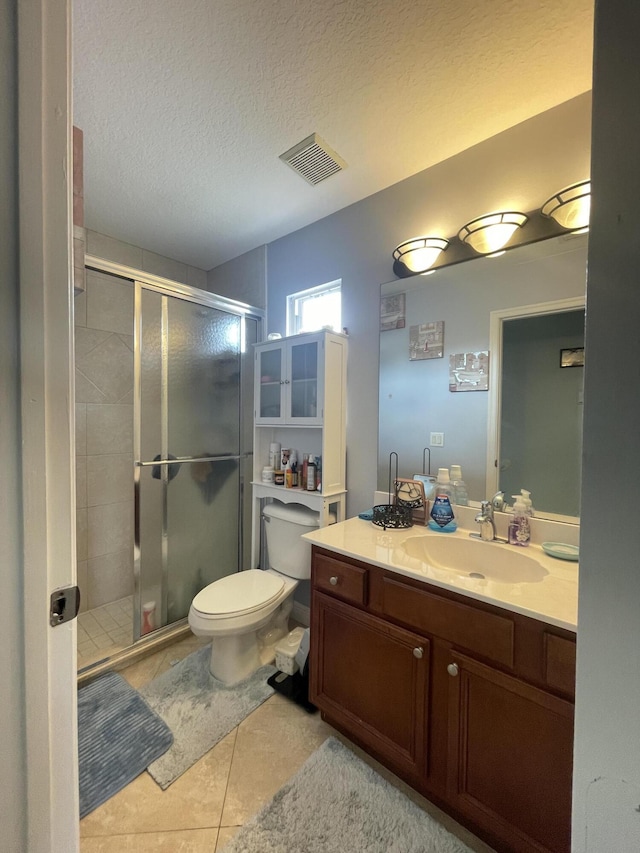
414	395
535	405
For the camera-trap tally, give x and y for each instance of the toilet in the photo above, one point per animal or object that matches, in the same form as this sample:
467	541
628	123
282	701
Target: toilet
246	613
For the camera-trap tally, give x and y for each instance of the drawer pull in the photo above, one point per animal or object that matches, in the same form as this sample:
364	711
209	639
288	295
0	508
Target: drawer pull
452	669
417	652
334	580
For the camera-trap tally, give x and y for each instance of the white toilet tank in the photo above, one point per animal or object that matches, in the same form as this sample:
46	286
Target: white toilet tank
284	524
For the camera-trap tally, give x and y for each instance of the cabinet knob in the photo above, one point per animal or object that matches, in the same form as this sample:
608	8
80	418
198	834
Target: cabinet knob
286	381
282	381
452	669
417	652
334	580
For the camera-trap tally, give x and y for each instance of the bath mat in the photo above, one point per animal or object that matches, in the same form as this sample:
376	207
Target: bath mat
337	803
199	710
118	736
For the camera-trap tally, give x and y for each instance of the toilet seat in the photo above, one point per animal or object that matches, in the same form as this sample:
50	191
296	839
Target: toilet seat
240	593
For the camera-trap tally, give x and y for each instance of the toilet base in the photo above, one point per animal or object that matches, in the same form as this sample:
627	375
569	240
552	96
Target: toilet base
237	656
234	658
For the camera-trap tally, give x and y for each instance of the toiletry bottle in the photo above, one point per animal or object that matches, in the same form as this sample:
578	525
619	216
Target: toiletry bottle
519	527
526	500
460	495
302	479
311	473
442	518
274	455
294	469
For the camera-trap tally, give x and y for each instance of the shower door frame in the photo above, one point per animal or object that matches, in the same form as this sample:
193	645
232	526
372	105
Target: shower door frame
166	287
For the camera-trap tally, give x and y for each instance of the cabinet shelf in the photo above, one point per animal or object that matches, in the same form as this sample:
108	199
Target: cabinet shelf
304	410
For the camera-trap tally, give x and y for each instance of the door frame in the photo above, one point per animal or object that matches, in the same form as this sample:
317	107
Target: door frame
47	389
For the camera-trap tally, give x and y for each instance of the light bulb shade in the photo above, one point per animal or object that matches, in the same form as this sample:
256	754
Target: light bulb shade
571	206
420	253
488	234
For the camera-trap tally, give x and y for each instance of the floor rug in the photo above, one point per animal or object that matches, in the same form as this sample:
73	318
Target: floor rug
199	710
338	804
118	737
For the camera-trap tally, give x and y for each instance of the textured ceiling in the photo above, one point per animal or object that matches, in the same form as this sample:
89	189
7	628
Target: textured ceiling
186	107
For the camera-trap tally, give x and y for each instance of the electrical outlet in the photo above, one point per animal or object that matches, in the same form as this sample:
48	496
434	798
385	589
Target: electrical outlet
436	439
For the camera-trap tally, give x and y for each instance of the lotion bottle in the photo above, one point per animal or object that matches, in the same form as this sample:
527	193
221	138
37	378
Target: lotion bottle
519	527
311	474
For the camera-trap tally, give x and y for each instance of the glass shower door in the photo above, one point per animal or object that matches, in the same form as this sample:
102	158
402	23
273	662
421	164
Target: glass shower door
188	437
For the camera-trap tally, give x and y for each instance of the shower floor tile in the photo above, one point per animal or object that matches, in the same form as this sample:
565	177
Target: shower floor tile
104	631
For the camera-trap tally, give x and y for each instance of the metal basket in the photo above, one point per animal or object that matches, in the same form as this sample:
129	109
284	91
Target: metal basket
392	516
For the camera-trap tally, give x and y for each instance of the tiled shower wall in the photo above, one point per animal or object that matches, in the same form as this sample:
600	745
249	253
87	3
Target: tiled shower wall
104	316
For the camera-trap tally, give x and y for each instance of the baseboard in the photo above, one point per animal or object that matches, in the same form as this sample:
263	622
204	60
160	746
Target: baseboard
301	613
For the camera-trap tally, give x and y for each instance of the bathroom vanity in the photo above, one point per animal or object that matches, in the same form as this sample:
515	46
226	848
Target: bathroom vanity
463	686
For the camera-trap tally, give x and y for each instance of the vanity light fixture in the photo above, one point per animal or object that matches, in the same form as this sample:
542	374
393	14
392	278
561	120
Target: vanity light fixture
488	234
570	207
419	254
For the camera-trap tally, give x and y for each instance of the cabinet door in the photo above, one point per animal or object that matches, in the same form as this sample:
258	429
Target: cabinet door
371	678
510	757
270	384
304	381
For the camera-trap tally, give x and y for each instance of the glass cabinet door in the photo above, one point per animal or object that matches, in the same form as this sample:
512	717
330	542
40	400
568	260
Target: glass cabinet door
270	375
304	380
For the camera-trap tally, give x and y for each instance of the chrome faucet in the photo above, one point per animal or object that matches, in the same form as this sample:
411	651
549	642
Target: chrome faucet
498	502
485	519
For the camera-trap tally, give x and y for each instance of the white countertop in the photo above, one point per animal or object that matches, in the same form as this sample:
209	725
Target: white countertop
554	599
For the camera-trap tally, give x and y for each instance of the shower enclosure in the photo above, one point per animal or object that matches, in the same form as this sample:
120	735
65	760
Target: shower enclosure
188	417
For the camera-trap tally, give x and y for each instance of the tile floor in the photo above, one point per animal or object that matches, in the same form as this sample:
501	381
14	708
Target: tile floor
104	631
204	808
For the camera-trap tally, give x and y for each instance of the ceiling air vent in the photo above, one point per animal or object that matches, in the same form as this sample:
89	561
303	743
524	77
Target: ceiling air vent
313	159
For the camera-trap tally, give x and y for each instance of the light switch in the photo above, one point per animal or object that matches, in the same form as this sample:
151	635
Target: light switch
436	439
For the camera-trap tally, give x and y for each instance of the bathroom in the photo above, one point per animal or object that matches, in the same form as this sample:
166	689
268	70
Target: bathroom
364	270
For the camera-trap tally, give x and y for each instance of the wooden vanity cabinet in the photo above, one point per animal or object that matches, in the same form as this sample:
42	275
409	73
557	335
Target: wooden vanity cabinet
469	703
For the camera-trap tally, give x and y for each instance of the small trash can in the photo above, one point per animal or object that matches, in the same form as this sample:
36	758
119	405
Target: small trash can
287	649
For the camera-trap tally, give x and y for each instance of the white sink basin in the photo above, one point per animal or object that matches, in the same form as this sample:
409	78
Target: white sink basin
474	558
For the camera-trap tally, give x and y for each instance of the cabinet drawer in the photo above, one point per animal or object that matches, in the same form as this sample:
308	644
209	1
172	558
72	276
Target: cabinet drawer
340	579
487	634
560	663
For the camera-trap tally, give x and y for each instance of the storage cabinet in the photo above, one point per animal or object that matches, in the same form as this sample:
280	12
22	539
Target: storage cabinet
509	756
290	381
469	703
300	402
373	677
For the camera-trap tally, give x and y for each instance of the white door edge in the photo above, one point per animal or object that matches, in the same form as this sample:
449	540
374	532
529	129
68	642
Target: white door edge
48	451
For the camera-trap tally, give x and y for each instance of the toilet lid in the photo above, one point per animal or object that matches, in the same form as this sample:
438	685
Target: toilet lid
241	592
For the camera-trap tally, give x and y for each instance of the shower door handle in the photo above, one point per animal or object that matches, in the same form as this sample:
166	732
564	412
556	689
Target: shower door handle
186	459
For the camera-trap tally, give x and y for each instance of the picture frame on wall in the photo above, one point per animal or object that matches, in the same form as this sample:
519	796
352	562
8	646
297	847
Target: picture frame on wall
572	357
426	341
393	312
469	371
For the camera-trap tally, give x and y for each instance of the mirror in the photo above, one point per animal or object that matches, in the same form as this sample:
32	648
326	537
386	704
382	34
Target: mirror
546	280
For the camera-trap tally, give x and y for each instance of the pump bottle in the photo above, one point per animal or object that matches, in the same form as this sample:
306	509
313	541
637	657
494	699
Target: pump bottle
519	527
460	495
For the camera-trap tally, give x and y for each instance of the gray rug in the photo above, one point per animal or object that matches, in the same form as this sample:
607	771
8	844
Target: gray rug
199	710
118	736
338	804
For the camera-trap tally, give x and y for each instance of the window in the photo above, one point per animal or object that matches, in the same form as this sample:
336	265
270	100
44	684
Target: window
316	308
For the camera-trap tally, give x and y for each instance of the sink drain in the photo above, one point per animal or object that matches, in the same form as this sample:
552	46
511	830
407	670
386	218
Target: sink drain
477	575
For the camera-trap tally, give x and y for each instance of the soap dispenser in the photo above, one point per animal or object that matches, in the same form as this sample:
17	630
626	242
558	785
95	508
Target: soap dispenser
460	495
526	500
519	527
